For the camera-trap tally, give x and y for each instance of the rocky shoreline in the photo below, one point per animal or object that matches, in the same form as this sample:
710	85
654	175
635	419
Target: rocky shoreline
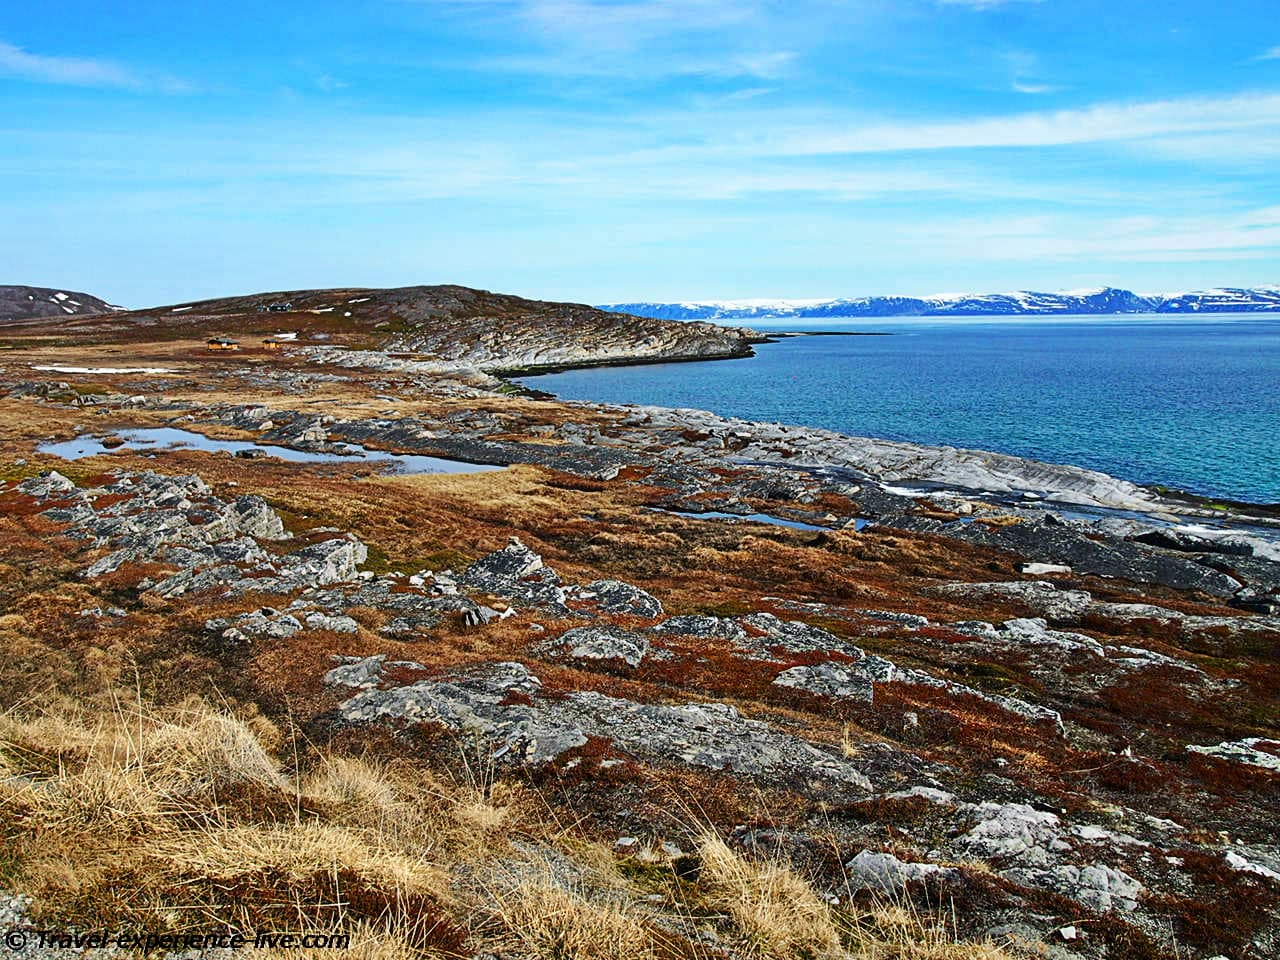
1041	694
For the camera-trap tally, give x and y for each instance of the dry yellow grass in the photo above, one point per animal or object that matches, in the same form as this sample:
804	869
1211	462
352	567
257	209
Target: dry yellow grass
549	920
186	820
778	912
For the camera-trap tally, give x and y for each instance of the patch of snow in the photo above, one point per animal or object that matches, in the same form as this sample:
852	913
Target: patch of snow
322	310
359	299
58	368
757	304
179	309
904	492
60	296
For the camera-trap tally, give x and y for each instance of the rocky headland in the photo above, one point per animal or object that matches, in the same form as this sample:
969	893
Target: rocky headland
1034	699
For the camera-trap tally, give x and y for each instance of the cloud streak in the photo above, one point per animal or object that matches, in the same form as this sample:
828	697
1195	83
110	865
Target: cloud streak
1103	123
81	72
982	4
74	71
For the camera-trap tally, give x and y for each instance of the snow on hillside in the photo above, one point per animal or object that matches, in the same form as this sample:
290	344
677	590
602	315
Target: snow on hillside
1095	300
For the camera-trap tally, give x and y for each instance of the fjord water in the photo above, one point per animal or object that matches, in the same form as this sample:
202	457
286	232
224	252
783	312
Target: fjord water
1191	404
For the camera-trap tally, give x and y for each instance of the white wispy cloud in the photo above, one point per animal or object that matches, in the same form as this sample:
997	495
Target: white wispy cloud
1272	54
982	4
1244	235
81	71
632	38
1024	86
1097	124
77	71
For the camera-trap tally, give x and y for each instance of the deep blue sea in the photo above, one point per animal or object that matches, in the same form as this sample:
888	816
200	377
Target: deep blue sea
1192	404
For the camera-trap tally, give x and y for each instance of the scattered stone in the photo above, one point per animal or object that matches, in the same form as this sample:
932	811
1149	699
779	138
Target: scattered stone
1245	751
1096	886
323	621
1237	862
1041	596
616	597
266	623
885	873
517	573
913	620
828	680
707	628
603	643
1043	569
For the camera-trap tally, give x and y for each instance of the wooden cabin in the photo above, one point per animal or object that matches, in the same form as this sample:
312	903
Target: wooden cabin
271	344
217	344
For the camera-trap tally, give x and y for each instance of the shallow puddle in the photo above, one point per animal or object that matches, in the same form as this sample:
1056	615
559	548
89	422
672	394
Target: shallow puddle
858	523
172	438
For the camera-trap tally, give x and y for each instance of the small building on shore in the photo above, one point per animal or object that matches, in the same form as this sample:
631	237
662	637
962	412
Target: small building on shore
272	345
219	344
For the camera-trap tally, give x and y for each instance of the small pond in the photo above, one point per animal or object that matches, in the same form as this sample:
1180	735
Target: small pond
858	524
172	438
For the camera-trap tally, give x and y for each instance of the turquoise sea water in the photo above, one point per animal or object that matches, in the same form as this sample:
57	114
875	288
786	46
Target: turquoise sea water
1192	404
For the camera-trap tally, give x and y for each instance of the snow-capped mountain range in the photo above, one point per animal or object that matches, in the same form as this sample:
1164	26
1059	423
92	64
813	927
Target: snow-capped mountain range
1101	300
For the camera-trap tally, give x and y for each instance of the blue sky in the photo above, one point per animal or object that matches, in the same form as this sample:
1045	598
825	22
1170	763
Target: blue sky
608	150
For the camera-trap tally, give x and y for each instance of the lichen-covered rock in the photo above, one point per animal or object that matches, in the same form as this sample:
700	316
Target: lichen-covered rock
324	562
828	680
266	623
46	485
1013	831
1245	751
512	562
363	673
1041	596
1096	886
617	597
710	628
517	573
795	636
886	874
500	703
606	643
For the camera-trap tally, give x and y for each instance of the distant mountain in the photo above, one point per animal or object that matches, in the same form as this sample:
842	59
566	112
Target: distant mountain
1103	300
24	303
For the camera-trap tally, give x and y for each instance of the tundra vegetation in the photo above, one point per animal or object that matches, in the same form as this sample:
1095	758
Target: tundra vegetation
550	711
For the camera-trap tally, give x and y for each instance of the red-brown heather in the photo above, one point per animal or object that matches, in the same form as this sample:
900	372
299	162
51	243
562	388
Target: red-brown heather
166	761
